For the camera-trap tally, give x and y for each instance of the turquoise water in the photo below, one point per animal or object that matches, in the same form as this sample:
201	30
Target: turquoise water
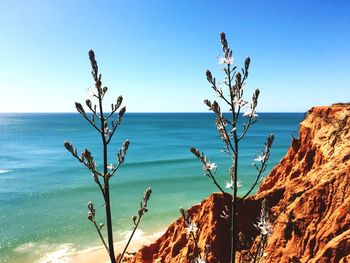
44	191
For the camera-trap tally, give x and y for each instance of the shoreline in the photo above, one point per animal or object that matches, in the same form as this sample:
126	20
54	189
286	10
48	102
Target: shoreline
99	254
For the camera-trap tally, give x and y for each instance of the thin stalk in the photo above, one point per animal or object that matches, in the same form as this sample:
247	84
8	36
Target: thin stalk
101	237
235	150
196	243
234	202
215	182
127	244
106	184
256	181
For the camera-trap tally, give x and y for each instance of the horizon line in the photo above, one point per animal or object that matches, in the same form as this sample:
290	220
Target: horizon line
138	112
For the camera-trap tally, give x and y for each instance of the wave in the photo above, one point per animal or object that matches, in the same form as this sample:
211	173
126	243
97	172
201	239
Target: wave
56	254
4	171
66	253
162	161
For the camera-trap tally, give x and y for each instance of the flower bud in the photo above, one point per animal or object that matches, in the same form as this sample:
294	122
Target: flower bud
147	195
125	146
121	158
215	107
182	211
88	103
208	103
238	78
134	218
270	140
94	68
90	216
246	64
255	97
68	146
90	206
122	112
119	102
195	151
80	109
87	155
91	55
223	41
209	76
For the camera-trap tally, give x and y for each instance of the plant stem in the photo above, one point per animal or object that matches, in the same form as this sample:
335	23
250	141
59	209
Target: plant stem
196	244
131	236
234	203
215	182
235	155
101	237
106	184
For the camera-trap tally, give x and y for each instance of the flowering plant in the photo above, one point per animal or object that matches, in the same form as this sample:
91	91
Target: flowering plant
227	126
106	126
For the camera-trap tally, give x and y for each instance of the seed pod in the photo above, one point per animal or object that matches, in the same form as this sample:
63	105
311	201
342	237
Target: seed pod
122	112
80	109
134	218
255	97
238	78
215	107
246	64
68	146
208	103
125	146
119	102
195	151
87	155
88	103
209	76
270	140
223	41
147	195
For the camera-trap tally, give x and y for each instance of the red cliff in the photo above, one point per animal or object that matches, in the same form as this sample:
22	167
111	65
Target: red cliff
309	196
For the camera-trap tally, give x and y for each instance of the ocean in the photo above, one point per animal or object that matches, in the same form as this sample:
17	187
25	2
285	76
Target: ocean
44	190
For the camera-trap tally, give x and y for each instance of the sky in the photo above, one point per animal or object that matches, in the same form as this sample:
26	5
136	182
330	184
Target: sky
155	52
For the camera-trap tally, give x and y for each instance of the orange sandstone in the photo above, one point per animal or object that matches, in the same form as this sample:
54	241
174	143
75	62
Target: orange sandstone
309	196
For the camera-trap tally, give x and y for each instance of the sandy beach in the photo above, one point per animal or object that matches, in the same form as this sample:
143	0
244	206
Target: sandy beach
99	254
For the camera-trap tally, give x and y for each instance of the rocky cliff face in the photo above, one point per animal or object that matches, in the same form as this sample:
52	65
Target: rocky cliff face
309	196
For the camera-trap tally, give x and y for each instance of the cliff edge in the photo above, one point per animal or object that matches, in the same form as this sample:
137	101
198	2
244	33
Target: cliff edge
308	193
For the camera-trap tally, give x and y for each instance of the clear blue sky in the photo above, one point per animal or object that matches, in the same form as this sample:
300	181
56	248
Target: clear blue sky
155	53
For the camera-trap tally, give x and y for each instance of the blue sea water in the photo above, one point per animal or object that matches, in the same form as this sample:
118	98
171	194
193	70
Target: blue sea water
44	190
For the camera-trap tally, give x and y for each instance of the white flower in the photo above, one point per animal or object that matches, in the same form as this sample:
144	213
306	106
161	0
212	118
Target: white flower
199	260
191	228
110	166
260	158
251	113
230	185
209	166
226	60
265	227
240	102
